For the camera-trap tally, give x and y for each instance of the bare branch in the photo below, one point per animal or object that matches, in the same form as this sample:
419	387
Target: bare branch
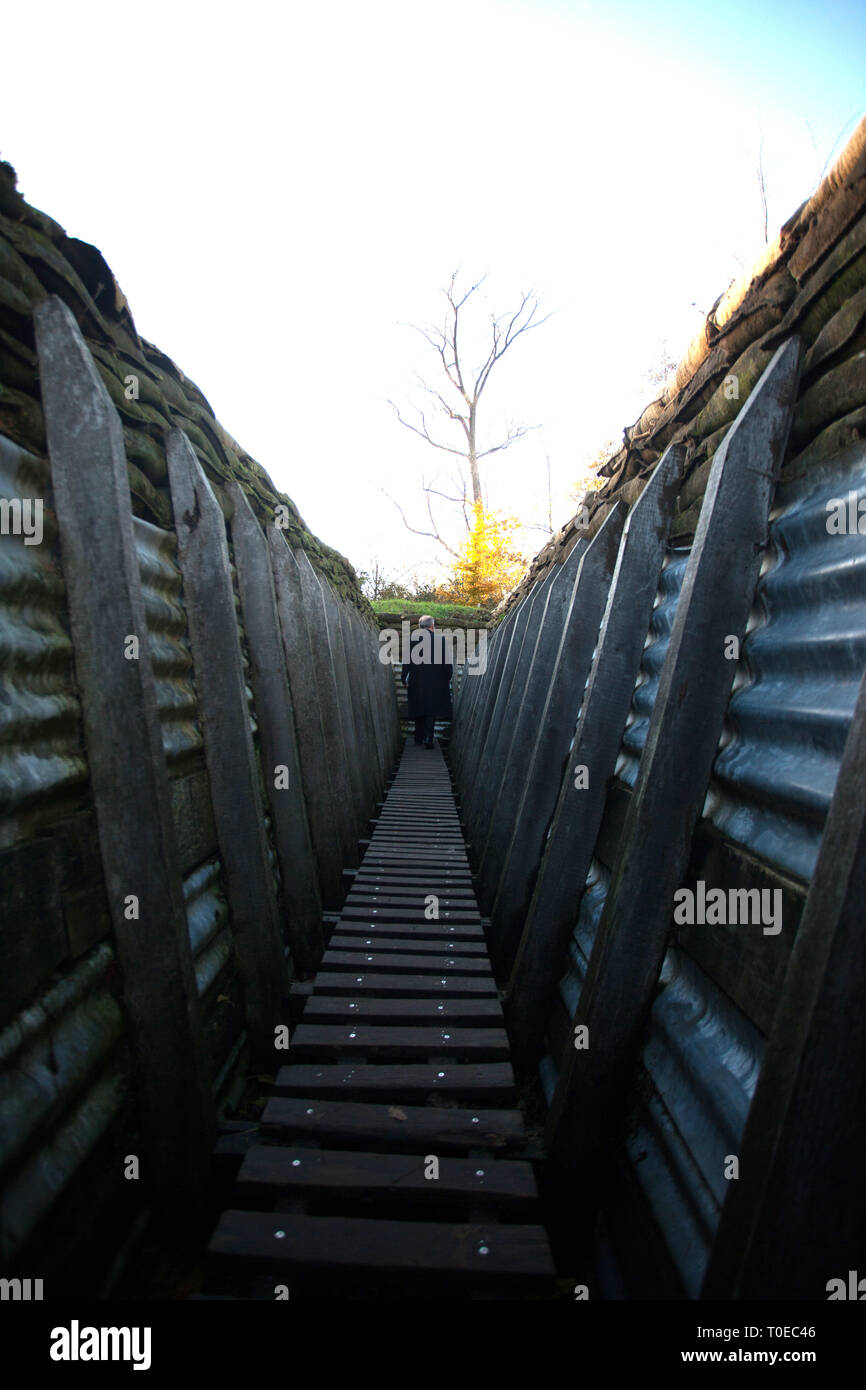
502	342
424	433
432	535
513	435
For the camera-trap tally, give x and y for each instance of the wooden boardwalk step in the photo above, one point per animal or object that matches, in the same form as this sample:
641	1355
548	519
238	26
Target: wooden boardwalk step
435	1129
269	1172
473	1254
408	986
450	931
446	1039
390	1160
485	1082
378	959
422	944
325	1008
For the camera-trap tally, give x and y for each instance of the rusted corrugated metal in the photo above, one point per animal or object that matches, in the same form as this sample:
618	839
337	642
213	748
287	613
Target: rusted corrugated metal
42	765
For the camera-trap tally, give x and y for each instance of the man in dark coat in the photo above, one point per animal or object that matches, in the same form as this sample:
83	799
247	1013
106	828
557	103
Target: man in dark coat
427	676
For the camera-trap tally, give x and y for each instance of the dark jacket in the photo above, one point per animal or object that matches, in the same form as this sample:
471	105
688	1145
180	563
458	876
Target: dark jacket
427	675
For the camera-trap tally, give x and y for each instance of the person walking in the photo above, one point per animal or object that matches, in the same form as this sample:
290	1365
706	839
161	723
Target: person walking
427	677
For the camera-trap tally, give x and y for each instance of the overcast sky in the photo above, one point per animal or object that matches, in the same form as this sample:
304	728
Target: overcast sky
281	188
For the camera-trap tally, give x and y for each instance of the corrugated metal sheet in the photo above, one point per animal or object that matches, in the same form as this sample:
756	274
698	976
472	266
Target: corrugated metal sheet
42	764
797	679
700	1066
580	946
166	625
62	1080
208	920
652	661
63	1073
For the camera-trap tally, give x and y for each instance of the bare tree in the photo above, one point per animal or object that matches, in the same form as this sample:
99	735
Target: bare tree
456	397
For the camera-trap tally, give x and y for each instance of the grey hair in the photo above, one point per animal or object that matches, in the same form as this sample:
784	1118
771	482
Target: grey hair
426	621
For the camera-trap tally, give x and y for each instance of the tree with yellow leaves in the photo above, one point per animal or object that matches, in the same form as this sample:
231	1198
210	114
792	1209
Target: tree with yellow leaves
488	565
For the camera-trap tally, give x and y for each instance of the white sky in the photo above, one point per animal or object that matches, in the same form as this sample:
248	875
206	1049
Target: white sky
278	188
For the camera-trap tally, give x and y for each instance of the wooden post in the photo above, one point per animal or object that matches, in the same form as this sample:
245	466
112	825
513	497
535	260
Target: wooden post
499	701
228	745
674	772
577	818
127	769
528	798
529	692
795	1217
299	887
472	700
316	763
336	749
474	728
348	703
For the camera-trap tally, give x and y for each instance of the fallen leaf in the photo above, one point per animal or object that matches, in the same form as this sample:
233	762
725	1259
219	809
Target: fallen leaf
396	1113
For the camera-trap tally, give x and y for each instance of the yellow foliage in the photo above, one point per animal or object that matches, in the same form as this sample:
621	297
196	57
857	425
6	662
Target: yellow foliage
488	565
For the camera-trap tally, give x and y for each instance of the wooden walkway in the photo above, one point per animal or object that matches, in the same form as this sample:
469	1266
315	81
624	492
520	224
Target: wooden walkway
391	1160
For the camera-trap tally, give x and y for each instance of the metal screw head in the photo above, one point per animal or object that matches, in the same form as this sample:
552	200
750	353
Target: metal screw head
439	1075
440	1008
279	1235
475	1119
479	1172
446	1037
296	1163
310	1111
353	1035
353	1006
483	1250
359	979
369	958
443	982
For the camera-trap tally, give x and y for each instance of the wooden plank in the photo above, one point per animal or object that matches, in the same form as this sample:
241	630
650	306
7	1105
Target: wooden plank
270	1171
469	1255
482	1082
434	1128
299	887
127	769
577	817
403	913
337	751
422	944
527	797
316	770
411	986
382	931
323	1008
229	754
317	1039
476	805
674	771
382	961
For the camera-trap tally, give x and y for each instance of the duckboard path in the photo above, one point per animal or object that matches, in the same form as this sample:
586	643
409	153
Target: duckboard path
391	1160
